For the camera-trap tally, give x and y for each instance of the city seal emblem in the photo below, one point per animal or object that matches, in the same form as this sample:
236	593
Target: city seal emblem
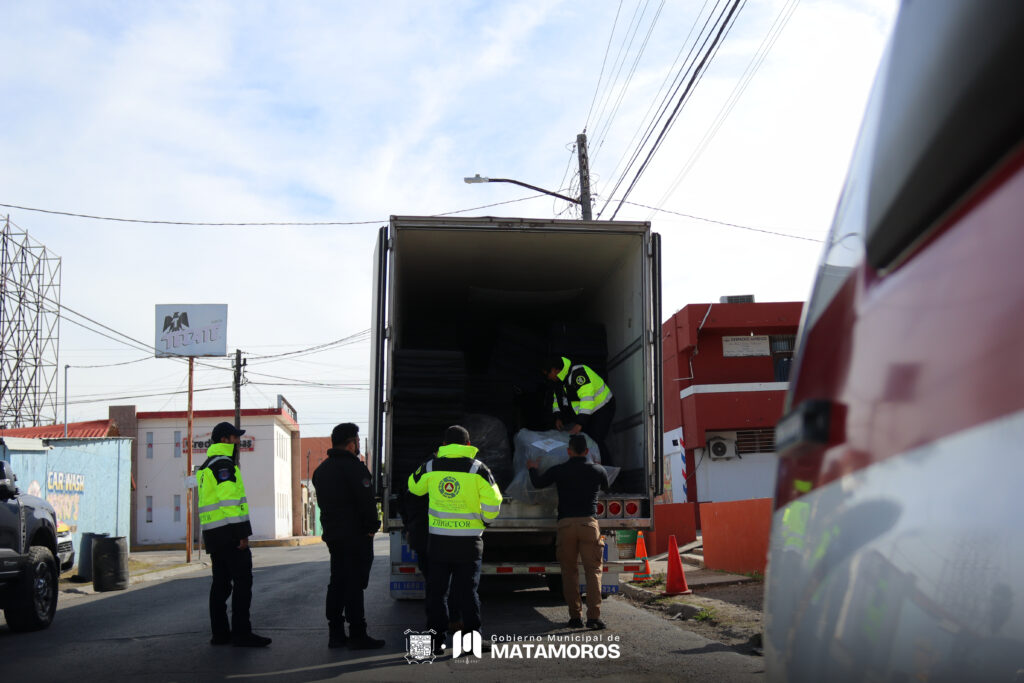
449	487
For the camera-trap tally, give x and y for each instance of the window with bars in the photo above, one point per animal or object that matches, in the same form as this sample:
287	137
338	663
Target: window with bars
782	346
755	441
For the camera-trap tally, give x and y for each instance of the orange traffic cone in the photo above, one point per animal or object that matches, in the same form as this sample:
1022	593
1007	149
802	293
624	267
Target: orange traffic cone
641	554
675	581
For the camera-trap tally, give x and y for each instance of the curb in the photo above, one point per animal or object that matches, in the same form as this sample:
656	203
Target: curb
260	543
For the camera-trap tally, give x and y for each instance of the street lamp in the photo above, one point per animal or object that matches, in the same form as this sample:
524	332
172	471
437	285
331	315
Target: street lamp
481	179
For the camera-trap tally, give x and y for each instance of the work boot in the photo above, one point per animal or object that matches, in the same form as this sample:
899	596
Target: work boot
221	639
250	640
360	640
595	624
336	637
575	622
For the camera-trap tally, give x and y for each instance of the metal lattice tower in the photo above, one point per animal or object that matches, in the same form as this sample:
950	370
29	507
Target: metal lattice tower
29	329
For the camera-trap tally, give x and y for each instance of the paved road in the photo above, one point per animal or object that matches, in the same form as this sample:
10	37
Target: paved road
159	631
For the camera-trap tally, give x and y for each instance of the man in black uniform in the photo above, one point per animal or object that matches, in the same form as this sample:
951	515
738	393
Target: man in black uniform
348	514
579	535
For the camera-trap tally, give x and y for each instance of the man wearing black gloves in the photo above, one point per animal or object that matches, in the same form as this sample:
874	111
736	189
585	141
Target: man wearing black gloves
348	514
579	535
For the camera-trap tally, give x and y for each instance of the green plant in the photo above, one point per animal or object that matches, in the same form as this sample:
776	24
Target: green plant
705	615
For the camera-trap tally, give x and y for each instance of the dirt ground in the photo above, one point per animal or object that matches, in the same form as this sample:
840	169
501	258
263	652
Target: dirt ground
730	613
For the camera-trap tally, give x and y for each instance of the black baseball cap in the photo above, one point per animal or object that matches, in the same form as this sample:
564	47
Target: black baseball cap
223	431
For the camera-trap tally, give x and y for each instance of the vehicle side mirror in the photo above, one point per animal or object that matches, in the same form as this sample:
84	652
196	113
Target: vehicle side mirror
7	479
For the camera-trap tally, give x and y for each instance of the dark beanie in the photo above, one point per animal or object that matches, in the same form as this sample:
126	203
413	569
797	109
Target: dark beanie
456	434
344	433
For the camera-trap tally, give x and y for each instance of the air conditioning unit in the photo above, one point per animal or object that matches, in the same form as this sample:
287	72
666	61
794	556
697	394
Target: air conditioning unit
722	447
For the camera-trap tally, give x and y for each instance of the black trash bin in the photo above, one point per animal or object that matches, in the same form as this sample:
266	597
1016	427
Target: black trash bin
85	555
110	563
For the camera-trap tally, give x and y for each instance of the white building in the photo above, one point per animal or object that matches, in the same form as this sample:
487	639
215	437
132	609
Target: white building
269	464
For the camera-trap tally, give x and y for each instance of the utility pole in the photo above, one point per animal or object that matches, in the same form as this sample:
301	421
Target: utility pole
238	388
581	150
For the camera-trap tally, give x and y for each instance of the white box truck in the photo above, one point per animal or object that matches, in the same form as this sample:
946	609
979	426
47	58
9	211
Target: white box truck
465	311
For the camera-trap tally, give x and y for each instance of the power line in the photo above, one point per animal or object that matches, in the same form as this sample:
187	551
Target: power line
677	82
110	365
731	225
774	31
698	74
252	224
108	399
648	121
352	338
604	61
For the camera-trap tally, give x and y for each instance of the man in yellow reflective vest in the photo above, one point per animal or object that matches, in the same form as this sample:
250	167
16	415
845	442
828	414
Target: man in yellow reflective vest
463	501
582	403
224	517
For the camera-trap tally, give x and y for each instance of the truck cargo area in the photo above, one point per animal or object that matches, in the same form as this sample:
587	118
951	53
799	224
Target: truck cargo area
474	311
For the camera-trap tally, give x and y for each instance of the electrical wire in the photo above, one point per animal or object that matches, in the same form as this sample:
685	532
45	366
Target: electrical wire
774	31
618	63
664	93
108	399
109	365
253	224
698	74
629	78
731	225
677	83
352	338
604	61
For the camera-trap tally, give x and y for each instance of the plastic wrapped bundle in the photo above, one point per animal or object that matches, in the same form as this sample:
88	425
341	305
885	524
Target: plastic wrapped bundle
549	449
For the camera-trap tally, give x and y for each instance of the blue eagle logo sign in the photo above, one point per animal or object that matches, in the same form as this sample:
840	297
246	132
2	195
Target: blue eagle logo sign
449	487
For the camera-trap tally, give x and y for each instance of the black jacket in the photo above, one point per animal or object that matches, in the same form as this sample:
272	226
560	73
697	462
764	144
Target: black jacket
344	494
578	481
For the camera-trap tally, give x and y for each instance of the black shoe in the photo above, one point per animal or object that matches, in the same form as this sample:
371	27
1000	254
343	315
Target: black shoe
575	622
337	637
595	624
250	640
439	649
224	639
364	642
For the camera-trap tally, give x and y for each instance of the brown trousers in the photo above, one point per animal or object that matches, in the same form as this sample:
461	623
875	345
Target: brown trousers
580	537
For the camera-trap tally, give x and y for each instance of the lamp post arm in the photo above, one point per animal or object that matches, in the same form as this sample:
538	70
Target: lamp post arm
533	187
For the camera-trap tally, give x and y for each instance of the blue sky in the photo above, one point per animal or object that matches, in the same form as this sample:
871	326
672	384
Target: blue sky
325	111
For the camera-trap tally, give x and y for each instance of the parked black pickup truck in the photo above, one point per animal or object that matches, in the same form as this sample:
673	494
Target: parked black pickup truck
28	546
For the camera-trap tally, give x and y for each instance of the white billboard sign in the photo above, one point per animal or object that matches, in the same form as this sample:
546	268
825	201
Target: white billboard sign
191	330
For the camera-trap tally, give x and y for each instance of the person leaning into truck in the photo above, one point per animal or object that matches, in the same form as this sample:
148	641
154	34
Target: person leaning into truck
579	535
463	500
348	515
224	518
583	402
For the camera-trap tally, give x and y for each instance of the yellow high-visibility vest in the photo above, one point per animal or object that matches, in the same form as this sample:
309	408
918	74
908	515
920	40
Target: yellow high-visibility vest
220	502
462	503
592	392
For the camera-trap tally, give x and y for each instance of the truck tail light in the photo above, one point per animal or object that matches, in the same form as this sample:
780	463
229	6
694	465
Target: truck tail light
632	509
615	508
600	508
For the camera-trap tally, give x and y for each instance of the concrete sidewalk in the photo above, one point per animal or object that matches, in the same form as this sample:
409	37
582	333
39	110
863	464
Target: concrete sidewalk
154	563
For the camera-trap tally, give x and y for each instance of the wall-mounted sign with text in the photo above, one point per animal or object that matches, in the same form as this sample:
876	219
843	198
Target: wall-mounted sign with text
191	330
746	346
